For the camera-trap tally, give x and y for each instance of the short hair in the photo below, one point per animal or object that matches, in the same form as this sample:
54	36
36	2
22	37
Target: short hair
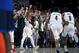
56	9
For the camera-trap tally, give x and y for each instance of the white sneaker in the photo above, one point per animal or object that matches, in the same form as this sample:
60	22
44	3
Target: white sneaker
65	49
36	47
26	47
21	48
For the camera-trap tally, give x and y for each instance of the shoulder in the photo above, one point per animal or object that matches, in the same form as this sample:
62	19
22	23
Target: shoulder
68	13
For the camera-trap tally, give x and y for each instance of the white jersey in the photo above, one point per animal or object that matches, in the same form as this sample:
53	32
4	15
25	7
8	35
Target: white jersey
69	29
27	32
55	18
68	16
55	24
28	28
28	24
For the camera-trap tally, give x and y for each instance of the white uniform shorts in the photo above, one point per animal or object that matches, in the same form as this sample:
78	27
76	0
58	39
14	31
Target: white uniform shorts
56	29
68	30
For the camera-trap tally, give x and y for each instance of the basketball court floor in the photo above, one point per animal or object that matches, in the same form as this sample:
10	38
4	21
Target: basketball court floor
45	50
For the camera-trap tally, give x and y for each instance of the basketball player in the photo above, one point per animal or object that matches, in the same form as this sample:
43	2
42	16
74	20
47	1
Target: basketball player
55	25
69	29
19	25
11	32
27	32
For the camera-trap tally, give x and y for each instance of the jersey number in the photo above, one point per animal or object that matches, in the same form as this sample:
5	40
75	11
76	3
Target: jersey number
56	18
70	18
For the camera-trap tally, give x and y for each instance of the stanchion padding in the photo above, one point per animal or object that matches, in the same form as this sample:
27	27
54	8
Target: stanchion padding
2	44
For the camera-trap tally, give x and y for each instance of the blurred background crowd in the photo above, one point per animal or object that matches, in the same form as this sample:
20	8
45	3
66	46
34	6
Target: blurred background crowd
40	10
